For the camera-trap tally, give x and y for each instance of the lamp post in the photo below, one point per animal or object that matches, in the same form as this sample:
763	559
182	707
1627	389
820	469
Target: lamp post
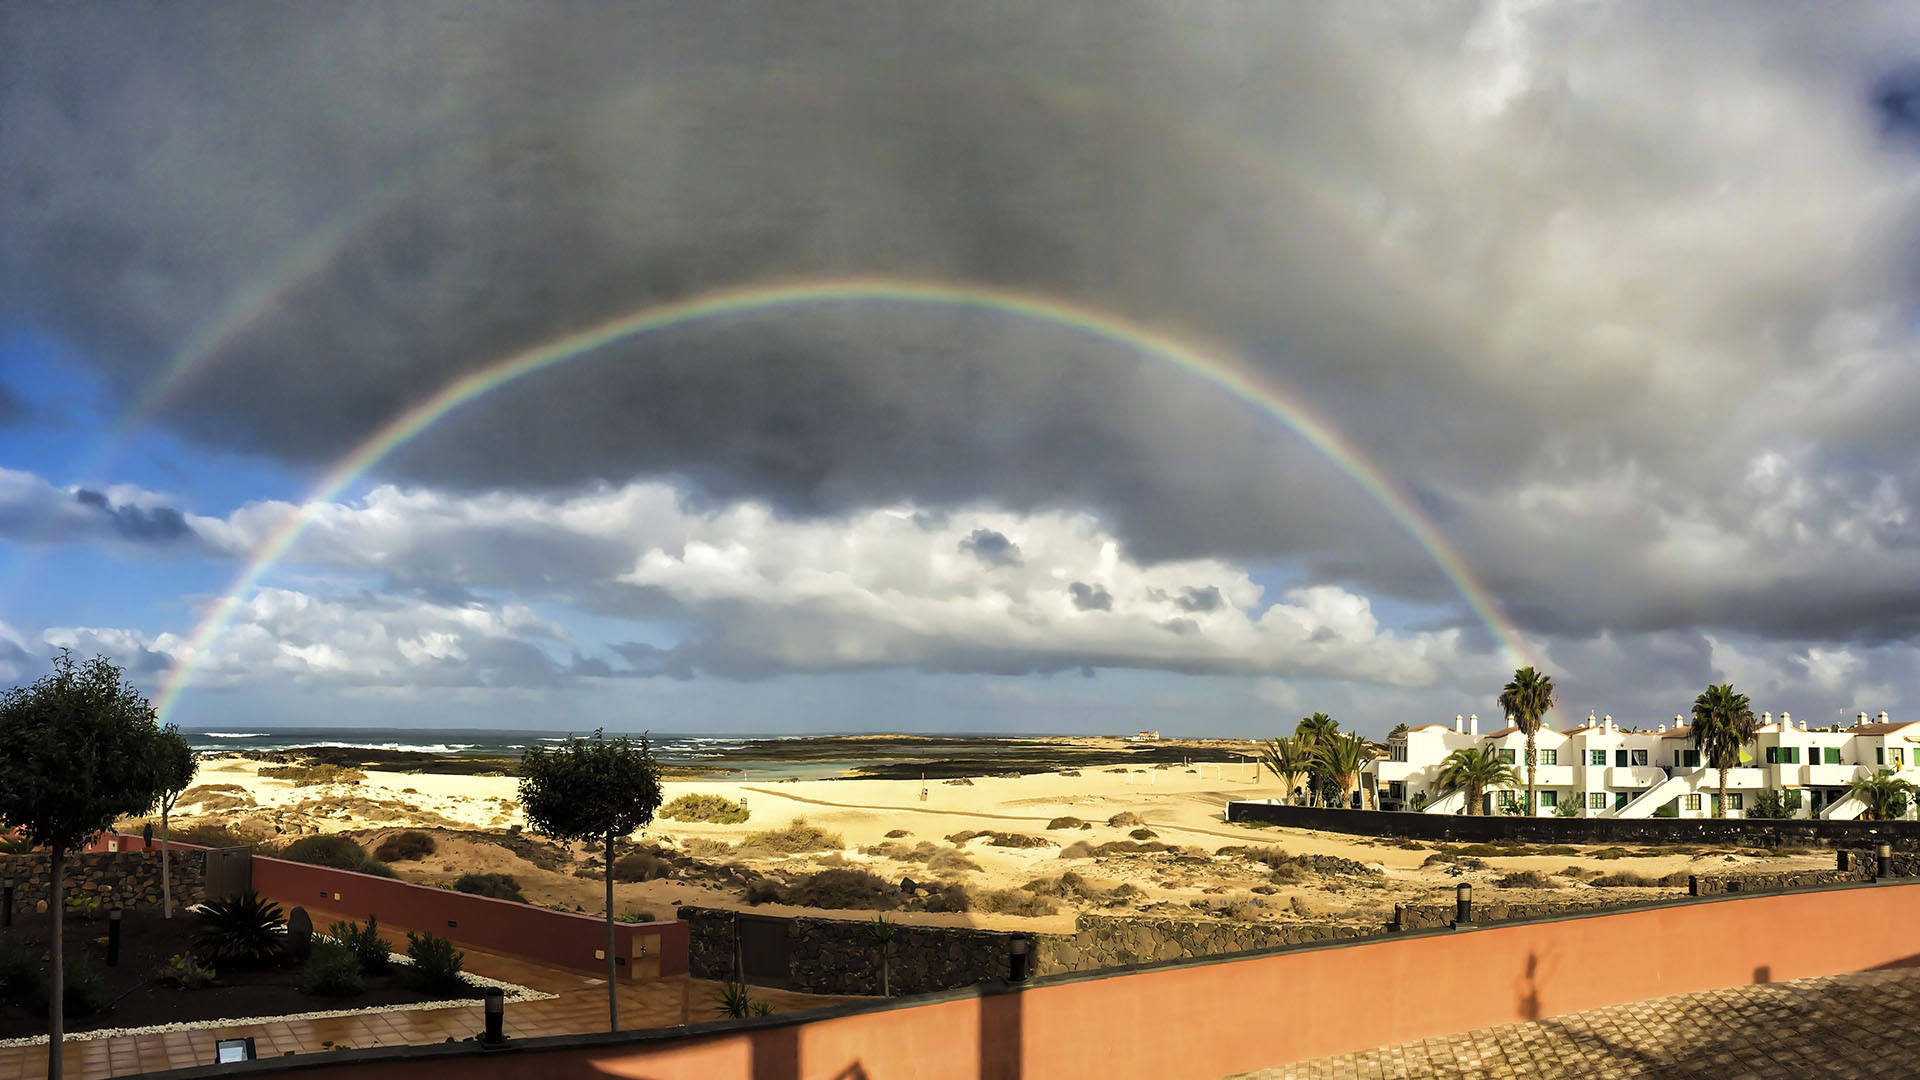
1020	960
113	936
496	1017
6	902
1463	904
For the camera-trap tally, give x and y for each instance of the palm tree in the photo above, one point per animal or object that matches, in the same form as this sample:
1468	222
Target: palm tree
1884	793
1475	771
1289	760
1341	758
1309	732
1723	723
1526	699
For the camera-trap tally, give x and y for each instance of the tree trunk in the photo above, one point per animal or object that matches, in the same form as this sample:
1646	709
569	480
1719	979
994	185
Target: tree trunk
56	1007
1530	774
613	982
886	983
1721	810
166	878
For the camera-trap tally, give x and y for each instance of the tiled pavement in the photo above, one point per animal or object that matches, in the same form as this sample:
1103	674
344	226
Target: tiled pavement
580	1006
1842	1026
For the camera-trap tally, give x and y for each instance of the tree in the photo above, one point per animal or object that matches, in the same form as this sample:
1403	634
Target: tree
1723	723
1475	771
1397	731
174	767
80	754
1289	760
1527	699
1309	731
880	936
1884	793
1342	757
596	789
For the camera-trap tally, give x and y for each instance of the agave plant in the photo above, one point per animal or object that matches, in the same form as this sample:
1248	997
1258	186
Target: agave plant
240	930
763	1008
880	936
731	1000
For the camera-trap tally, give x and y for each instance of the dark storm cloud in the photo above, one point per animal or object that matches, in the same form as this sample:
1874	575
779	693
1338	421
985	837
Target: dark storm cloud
1090	597
1198	599
991	548
143	524
1448	284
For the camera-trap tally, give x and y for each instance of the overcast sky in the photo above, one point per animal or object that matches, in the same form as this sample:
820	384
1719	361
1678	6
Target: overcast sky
1619	297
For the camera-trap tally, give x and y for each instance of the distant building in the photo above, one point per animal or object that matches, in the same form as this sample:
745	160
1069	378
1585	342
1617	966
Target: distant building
1148	735
1609	771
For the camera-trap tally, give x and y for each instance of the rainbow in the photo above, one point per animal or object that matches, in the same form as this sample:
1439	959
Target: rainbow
1215	365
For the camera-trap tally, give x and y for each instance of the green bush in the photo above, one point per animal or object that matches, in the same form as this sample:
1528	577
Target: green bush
183	971
1567	809
333	970
15	845
406	847
713	809
214	836
85	990
1774	804
309	775
436	965
83	907
366	944
640	866
497	886
335	851
636	916
19	967
242	930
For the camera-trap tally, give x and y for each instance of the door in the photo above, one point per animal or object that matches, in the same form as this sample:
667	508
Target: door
763	950
229	872
645	962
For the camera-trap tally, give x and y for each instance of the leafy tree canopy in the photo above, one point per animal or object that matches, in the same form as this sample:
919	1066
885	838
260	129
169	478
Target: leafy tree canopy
174	764
589	789
82	749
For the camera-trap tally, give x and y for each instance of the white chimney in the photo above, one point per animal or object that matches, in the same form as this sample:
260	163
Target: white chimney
1786	720
1473	723
1608	722
1679	721
1459	723
1883	718
1860	718
1663	729
1766	718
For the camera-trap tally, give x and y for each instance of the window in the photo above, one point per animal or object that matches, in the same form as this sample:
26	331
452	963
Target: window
1893	758
1506	757
1736	801
1596	757
1833	755
1620	758
1639	757
1506	797
1549	757
1879	755
1783	755
1396	790
1690	802
1396	751
1549	799
1619	799
1597	800
1686	759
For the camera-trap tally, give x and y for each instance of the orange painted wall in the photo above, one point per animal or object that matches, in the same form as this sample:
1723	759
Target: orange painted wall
1210	1020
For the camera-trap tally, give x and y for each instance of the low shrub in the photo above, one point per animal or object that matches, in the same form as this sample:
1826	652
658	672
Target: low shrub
333	970
365	943
84	907
1014	902
796	838
243	931
950	897
184	972
895	834
1627	879
841	888
704	848
84	992
336	851
1526	879
640	866
406	847
713	809
637	917
1124	819
497	886
436	964
934	857
310	775
1144	833
215	835
999	839
213	798
19	967
1079	849
1069	822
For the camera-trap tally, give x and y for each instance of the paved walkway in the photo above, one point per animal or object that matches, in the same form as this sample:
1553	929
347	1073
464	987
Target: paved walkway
580	1005
1842	1025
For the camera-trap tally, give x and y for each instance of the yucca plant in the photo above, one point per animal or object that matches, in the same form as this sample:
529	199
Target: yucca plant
880	936
763	1008
731	1000
243	930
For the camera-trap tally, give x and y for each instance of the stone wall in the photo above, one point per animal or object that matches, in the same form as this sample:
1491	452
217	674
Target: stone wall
1107	941
1431	916
1734	832
1762	880
128	878
836	956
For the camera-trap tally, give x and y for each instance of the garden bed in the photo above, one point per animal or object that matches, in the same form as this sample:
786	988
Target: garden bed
136	998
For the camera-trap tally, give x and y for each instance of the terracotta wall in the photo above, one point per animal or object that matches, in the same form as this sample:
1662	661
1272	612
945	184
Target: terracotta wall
1210	1019
557	937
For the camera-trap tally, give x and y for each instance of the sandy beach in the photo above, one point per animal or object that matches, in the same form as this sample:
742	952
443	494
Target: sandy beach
1170	815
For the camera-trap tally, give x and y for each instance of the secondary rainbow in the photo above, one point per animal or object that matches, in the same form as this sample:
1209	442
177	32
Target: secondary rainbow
1216	365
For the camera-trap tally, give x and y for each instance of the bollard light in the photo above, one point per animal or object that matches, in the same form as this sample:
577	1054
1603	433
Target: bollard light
113	937
228	1050
1463	904
1885	868
496	1016
1021	962
6	902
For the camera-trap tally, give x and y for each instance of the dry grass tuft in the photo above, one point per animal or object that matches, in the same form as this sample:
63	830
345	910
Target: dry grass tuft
795	839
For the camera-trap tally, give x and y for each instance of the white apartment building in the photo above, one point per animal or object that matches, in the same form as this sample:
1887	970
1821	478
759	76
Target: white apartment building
1605	770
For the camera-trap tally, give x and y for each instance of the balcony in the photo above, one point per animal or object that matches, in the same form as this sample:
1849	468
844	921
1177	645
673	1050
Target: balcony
1634	777
1558	776
1828	775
